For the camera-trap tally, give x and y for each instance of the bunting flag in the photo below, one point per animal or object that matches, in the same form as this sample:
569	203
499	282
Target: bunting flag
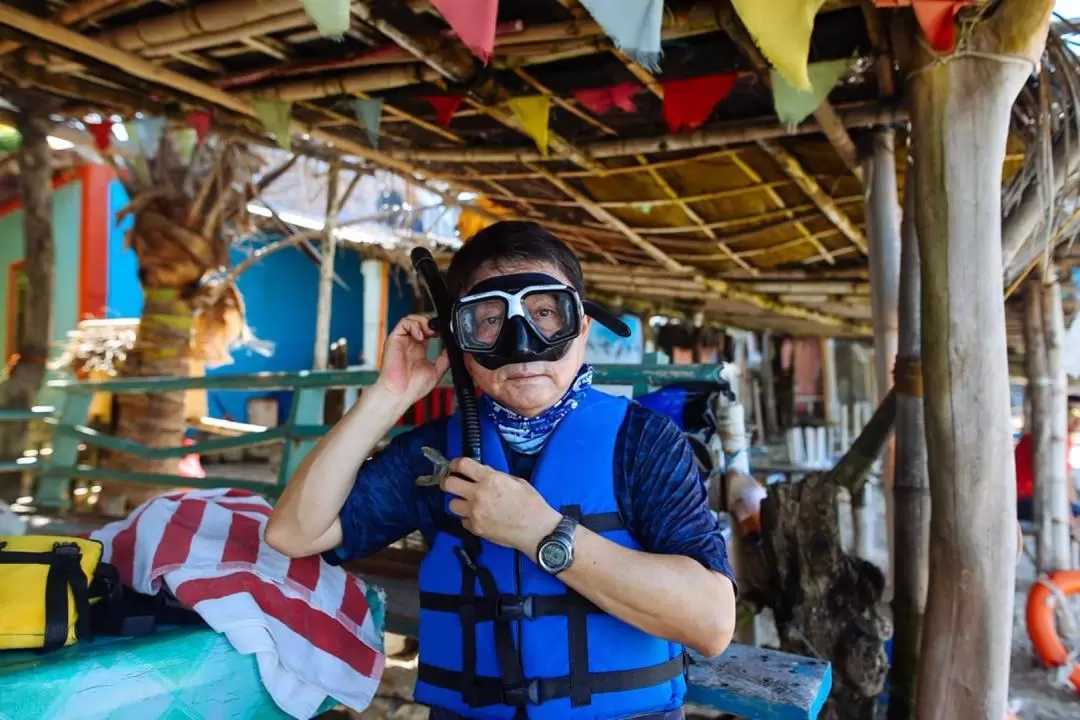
533	113
600	100
102	134
331	17
634	26
474	23
937	18
369	113
148	131
185	143
689	103
276	117
782	29
200	123
445	106
792	105
10	139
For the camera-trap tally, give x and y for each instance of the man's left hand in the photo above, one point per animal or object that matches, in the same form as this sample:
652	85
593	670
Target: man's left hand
498	507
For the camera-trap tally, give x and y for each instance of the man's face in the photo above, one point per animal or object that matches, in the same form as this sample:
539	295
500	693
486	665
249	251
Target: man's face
528	388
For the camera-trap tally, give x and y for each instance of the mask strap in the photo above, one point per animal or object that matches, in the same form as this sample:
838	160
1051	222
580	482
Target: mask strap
606	318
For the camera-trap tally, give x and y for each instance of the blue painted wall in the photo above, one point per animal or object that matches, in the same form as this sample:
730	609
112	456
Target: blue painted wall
124	297
280	294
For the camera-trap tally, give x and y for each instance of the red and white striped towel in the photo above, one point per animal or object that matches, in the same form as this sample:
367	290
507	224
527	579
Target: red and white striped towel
309	624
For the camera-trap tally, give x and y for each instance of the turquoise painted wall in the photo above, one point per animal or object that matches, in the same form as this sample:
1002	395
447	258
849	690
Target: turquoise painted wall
66	217
124	296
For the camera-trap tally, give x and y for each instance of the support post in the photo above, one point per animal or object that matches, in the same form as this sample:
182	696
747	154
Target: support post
883	227
829	390
961	112
35	316
912	486
325	308
1057	422
1037	395
768	385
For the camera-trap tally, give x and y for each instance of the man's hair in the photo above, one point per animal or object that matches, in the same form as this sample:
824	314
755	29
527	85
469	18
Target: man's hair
510	243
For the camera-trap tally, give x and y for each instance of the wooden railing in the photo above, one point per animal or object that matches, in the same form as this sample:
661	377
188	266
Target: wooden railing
70	432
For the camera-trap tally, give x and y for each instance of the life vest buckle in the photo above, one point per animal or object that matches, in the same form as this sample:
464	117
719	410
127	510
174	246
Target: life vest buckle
515	607
521	694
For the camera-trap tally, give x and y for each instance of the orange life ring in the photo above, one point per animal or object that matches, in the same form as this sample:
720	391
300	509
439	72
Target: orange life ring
1041	603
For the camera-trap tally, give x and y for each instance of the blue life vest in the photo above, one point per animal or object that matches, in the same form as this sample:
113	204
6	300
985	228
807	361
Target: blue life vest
500	638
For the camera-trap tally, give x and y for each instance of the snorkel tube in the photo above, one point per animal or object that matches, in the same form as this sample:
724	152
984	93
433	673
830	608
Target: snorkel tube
428	272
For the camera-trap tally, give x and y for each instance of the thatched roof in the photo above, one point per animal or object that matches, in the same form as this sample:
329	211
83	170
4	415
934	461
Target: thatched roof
756	226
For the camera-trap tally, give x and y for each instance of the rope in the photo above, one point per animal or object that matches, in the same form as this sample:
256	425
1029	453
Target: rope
962	54
1060	676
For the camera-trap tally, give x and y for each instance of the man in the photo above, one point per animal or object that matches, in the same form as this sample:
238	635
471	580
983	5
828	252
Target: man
1024	457
565	573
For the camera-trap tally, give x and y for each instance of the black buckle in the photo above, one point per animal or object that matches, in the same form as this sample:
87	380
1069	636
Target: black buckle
514	607
521	694
67	549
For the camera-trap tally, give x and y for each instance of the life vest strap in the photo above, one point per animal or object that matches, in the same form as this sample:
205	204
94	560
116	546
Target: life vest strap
486	690
506	606
577	630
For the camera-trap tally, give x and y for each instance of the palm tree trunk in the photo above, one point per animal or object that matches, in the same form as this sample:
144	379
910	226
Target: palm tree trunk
35	316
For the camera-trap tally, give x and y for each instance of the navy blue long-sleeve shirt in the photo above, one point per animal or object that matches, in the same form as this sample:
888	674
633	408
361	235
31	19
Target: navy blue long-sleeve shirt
658	488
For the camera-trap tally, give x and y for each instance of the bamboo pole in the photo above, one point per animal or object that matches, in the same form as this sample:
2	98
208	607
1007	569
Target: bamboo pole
1057	421
716	135
882	213
753	176
829	390
911	487
205	18
809	185
961	112
324	307
1037	394
71	15
768	384
237	33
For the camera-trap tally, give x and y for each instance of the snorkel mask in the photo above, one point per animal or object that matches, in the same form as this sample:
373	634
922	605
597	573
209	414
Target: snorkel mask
527	317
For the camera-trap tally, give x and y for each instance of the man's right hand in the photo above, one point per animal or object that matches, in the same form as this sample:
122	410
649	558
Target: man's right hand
406	370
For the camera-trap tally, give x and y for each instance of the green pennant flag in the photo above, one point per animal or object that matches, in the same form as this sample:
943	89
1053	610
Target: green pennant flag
276	116
10	139
794	105
369	113
185	142
331	17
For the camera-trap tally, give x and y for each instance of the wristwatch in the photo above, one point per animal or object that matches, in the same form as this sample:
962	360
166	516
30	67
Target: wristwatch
556	551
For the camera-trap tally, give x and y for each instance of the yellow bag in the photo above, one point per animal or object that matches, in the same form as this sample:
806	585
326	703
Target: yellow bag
45	590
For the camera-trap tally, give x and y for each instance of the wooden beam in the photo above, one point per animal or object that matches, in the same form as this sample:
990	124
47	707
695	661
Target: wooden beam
717	135
809	185
826	116
752	175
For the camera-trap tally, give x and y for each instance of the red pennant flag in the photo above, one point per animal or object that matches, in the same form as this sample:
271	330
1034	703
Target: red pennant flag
102	133
473	21
200	122
445	106
937	18
689	103
599	100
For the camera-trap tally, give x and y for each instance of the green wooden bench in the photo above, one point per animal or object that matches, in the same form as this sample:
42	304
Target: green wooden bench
182	672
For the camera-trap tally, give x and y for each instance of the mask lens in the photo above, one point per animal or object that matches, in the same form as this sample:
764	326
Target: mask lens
552	313
481	322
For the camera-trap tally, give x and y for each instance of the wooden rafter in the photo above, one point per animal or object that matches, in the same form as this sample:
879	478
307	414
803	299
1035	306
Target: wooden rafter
822	199
808	236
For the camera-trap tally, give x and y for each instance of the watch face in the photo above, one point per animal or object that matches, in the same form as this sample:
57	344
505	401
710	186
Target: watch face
553	555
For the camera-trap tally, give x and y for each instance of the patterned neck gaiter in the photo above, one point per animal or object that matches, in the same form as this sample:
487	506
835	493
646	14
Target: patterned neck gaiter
527	435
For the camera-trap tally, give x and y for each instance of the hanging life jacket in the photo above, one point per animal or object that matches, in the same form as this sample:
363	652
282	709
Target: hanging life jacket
500	638
47	586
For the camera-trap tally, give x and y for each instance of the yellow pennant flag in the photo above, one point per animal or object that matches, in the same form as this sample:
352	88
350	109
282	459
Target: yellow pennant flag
781	29
532	113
